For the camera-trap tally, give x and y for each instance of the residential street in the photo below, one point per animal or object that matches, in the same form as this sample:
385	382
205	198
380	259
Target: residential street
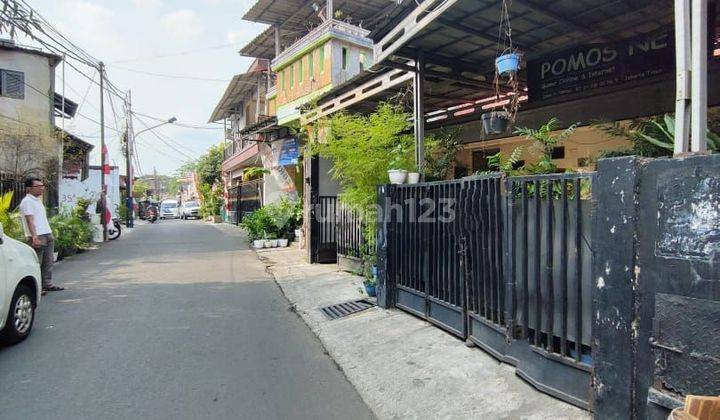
174	320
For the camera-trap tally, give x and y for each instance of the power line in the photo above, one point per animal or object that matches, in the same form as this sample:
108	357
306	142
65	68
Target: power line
166	142
180	53
171	76
198	127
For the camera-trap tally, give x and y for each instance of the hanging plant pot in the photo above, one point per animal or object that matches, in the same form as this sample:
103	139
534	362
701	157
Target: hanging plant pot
495	122
508	64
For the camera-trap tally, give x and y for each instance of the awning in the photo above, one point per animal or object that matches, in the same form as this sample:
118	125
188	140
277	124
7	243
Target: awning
70	107
238	91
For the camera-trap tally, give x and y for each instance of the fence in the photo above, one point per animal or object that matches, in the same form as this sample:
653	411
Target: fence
350	232
323	225
503	263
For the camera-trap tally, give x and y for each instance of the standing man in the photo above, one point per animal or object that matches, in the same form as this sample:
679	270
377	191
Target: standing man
37	230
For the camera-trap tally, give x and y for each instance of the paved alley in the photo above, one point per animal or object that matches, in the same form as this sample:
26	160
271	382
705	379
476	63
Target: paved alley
174	320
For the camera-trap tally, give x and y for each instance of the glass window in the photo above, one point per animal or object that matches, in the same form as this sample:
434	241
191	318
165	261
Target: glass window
12	84
344	58
290	70
362	61
311	65
300	70
322	59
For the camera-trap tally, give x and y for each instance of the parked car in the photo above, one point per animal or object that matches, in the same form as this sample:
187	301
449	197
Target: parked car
20	287
190	209
169	209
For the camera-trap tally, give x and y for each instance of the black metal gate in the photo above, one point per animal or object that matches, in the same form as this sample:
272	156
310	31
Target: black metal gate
505	264
323	235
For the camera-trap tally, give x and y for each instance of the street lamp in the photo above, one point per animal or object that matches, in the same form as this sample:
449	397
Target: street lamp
128	179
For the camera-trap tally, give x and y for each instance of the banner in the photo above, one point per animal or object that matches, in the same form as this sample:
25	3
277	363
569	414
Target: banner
598	66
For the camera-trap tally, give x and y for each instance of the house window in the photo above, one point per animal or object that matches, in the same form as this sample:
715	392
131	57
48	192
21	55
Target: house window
362	61
292	76
300	71
282	80
311	65
12	84
558	153
480	159
344	58
322	59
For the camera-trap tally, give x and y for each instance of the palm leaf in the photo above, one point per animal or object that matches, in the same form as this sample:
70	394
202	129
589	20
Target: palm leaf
656	142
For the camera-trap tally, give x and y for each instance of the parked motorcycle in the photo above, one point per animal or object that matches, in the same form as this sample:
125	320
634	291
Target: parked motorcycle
152	215
114	230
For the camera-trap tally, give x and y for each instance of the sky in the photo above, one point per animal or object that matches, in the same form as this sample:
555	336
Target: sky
180	38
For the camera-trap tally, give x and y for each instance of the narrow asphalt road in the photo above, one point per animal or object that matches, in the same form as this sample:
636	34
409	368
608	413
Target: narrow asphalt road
176	320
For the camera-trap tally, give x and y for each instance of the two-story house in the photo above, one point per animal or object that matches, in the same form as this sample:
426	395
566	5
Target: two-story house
312	50
29	143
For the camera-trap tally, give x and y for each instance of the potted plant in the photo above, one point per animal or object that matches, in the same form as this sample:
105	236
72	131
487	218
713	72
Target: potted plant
397	172
283	242
413	177
267	242
508	63
495	122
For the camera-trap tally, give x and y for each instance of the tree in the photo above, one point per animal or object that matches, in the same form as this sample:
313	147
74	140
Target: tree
209	166
140	188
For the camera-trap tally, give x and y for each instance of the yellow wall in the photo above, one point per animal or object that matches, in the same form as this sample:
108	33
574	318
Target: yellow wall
272	108
585	143
321	75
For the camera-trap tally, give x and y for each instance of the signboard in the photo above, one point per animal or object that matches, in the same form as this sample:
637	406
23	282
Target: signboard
597	66
289	153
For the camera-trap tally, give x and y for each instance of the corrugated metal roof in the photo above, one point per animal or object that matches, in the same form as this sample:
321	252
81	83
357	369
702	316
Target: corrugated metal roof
235	95
296	18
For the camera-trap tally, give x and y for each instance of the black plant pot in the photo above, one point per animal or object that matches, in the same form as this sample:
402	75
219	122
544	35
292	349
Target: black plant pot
495	122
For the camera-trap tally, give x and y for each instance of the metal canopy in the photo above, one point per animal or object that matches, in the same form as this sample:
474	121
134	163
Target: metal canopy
299	15
295	18
459	41
235	95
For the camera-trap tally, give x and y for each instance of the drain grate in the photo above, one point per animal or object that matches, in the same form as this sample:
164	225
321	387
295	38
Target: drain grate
340	310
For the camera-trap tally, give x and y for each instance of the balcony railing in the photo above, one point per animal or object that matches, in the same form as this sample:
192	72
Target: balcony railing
338	28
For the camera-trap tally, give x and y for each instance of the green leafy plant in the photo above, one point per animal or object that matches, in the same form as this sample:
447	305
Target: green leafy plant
501	162
650	137
9	219
441	148
284	217
211	200
254	173
72	230
544	142
256	224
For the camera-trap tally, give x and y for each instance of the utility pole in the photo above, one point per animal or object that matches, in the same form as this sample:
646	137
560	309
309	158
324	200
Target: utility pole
103	152
155	182
128	162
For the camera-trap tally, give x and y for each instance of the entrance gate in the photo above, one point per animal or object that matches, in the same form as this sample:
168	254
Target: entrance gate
504	264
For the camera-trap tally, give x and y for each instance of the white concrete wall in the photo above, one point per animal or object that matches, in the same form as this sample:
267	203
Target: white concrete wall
39	81
340	75
71	190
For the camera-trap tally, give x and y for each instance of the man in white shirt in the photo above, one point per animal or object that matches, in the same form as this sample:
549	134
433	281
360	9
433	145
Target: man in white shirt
37	230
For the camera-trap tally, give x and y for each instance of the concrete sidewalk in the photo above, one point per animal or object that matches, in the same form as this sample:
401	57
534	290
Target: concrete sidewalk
402	366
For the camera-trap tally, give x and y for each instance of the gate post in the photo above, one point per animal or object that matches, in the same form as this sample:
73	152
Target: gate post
385	229
615	288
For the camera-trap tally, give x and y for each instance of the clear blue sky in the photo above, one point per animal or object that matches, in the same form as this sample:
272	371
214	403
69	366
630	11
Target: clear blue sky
135	34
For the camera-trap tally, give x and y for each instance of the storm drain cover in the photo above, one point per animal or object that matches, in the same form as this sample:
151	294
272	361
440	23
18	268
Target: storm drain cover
340	310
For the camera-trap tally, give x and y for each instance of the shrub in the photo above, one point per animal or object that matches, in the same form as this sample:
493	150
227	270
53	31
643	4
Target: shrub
257	224
72	230
277	220
10	219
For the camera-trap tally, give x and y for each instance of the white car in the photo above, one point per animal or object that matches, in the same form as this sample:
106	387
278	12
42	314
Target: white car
20	287
190	209
169	209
